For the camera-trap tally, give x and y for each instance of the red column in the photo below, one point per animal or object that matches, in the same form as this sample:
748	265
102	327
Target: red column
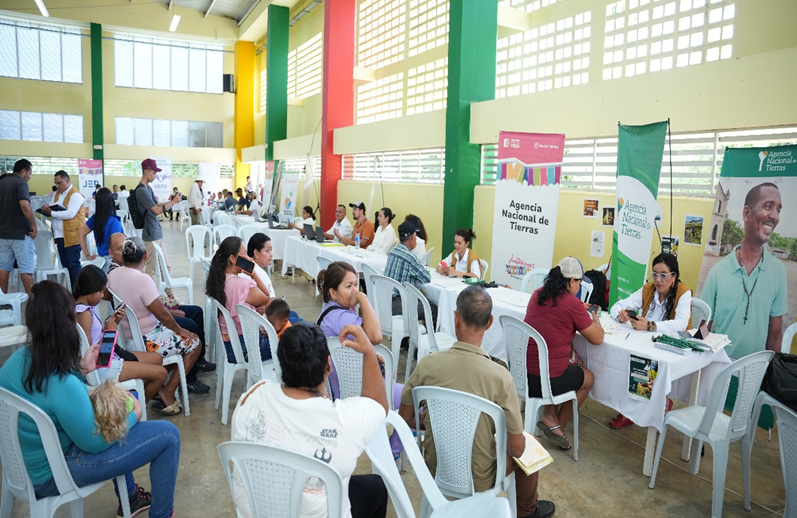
338	96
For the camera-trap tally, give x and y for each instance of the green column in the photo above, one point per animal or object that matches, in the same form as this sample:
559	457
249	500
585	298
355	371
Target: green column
97	124
472	36
277	70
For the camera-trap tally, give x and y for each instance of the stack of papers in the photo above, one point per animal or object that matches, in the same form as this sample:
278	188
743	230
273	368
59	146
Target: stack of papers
534	457
715	342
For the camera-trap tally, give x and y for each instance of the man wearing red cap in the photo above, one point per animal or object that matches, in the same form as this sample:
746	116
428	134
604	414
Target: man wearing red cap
149	206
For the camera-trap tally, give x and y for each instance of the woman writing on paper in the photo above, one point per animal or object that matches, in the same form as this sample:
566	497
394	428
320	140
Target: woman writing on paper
663	305
462	262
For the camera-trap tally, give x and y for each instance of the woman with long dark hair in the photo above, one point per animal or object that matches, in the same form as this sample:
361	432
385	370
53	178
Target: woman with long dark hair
311	424
556	313
261	250
421	237
385	238
104	223
663	305
229	290
47	373
463	261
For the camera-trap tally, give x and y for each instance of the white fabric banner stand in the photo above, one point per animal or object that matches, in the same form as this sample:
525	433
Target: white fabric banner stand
162	186
524	224
209	171
307	188
290	186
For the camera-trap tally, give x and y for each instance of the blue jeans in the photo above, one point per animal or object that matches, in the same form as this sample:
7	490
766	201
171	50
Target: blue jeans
156	443
193	321
265	349
70	258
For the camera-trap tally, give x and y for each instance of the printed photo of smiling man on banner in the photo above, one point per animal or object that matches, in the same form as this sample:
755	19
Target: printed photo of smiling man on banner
750	262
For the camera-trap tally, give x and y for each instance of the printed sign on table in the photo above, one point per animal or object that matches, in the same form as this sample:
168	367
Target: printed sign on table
641	375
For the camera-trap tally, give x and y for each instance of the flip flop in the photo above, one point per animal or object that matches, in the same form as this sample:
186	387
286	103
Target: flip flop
559	440
173	409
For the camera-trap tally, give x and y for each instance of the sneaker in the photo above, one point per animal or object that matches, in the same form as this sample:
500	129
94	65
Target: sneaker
205	365
139	502
544	509
620	421
197	387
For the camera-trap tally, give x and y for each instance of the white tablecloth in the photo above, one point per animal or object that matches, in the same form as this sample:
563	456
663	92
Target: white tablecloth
302	254
278	235
609	362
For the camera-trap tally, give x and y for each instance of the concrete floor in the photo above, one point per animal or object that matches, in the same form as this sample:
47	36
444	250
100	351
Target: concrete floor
606	481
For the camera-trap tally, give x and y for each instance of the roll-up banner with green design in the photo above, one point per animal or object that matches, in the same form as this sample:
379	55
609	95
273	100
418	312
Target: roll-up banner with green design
639	154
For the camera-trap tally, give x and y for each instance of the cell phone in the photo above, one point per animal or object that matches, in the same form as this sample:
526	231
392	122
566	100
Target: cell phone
594	309
122	306
631	314
245	264
107	346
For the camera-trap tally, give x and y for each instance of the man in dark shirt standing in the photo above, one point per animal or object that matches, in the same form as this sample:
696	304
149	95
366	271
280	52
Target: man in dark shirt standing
17	226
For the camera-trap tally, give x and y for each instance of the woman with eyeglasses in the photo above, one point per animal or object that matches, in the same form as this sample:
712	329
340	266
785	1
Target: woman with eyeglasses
663	305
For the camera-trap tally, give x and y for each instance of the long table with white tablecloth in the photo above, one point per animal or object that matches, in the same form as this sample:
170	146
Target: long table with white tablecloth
303	254
278	235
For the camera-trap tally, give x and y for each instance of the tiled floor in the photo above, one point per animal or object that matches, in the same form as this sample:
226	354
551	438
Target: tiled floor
606	481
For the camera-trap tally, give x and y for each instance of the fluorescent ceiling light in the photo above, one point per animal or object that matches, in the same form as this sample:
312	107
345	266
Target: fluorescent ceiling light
172	27
42	8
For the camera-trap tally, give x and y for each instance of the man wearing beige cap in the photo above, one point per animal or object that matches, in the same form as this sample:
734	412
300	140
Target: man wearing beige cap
196	199
149	206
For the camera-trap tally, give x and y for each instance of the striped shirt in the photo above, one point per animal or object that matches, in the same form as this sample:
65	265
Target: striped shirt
403	266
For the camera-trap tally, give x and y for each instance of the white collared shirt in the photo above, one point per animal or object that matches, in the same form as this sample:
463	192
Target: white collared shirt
464	262
656	311
75	204
344	227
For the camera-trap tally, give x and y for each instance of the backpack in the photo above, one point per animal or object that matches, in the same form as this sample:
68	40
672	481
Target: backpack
780	380
598	295
135	211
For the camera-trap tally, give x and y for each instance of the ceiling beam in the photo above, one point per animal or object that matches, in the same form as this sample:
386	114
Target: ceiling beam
212	3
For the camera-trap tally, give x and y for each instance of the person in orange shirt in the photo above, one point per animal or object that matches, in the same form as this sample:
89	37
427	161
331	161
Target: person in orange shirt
277	314
361	225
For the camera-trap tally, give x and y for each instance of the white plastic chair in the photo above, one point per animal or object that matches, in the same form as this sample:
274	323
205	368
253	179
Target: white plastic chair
16	481
484	265
222	232
247	231
185	215
195	238
99	262
251	322
787	438
210	338
711	425
15	300
516	340
222	218
533	280
701	312
349	366
47	260
426	257
206	217
586	290
124	216
426	342
275	478
166	279
138	345
454	416
368	274
225	371
393	326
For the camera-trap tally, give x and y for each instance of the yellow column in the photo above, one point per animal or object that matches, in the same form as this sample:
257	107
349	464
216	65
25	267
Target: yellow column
244	106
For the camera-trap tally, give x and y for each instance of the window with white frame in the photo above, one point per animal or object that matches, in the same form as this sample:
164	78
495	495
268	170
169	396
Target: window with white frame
428	25
427	87
381	99
415	166
651	35
555	55
528	5
168	133
591	164
44	52
263	90
142	62
298	164
41	127
305	68
41	165
382	32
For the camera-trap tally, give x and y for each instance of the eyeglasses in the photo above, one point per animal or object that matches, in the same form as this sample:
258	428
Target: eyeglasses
663	276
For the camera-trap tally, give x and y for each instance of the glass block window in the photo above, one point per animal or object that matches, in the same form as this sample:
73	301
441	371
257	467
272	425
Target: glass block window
381	99
263	90
41	127
141	62
382	32
644	36
555	55
412	166
428	25
38	51
427	87
297	164
527	5
304	68
167	133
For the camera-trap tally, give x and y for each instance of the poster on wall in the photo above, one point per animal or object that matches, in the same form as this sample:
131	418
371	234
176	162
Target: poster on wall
162	186
90	172
639	154
264	183
529	170
596	248
209	172
290	186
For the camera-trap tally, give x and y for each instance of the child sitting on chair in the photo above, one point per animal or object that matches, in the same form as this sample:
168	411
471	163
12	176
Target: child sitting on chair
277	314
112	405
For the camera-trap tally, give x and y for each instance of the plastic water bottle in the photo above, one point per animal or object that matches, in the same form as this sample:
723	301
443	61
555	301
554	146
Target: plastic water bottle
357	240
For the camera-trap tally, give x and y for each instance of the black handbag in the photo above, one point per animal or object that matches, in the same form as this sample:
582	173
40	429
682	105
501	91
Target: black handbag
125	354
780	381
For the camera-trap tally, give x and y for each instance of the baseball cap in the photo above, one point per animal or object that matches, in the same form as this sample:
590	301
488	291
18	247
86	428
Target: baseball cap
357	205
407	228
150	164
571	268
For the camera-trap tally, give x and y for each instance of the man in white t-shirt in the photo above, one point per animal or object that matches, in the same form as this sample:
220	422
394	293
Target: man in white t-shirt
254	206
341	224
296	416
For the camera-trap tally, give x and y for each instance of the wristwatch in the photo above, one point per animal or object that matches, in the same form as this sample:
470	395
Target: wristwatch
651	326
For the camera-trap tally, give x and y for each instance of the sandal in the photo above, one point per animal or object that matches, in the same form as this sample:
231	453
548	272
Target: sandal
559	440
173	409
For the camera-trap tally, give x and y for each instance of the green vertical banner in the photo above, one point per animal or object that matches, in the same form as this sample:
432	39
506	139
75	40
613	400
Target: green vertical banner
639	154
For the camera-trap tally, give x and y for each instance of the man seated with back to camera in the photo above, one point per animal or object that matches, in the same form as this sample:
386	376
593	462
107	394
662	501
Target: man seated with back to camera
466	367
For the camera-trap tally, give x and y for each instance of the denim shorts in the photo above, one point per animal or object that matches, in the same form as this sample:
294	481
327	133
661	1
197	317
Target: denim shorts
20	249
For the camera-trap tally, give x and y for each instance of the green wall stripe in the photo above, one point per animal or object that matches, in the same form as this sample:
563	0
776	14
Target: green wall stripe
277	70
97	123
